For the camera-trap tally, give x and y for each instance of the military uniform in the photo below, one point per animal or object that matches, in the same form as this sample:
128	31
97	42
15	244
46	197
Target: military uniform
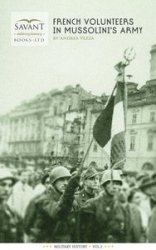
82	196
30	215
11	228
80	199
10	225
55	216
88	192
108	220
103	218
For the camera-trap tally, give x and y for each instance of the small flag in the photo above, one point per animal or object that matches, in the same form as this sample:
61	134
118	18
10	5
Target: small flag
110	126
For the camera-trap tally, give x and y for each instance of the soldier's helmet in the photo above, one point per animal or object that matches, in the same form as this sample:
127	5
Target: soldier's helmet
5	173
109	175
58	173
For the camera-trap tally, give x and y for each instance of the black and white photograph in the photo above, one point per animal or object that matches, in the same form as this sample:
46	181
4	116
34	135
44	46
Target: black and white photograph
77	123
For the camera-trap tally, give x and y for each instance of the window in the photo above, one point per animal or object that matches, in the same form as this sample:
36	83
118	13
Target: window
150	142
69	107
61	108
152	116
55	110
69	103
95	148
134	118
132	142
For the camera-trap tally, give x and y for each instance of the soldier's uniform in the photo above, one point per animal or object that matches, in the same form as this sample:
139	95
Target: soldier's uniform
82	196
106	220
80	199
30	215
11	226
11	230
54	215
103	218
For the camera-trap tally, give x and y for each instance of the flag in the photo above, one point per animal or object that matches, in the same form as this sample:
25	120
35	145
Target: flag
110	127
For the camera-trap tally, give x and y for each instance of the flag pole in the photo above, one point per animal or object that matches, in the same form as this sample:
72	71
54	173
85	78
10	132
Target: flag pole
111	94
85	156
125	107
120	67
129	55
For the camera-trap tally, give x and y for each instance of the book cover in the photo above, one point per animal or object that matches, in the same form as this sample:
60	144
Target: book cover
62	104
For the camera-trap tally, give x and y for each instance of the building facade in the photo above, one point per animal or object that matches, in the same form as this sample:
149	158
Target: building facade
25	128
48	126
59	125
141	122
141	128
62	122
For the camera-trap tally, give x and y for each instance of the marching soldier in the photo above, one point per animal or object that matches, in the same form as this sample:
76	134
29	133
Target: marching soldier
90	182
103	218
10	222
54	215
30	214
90	189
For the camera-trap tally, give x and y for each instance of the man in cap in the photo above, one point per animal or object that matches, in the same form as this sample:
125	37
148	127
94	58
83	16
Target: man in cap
10	223
90	182
102	219
148	187
54	211
90	188
145	200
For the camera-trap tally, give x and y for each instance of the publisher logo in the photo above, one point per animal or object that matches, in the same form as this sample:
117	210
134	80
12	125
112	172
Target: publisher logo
29	29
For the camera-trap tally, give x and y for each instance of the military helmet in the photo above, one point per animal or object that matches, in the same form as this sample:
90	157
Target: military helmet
5	173
109	175
58	173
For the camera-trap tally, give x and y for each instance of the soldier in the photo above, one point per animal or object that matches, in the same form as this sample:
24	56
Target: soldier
90	181
30	214
103	218
90	188
54	215
10	223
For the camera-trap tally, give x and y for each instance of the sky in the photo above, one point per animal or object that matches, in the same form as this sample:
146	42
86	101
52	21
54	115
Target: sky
28	71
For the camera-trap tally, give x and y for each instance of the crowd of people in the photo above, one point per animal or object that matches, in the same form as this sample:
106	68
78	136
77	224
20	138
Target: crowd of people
63	206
